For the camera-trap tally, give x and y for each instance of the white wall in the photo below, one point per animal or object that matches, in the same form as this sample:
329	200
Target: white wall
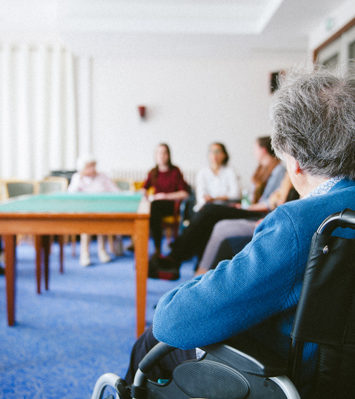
190	102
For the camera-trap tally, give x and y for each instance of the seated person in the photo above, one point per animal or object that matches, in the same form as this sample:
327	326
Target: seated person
238	231
164	185
88	180
257	291
194	238
216	182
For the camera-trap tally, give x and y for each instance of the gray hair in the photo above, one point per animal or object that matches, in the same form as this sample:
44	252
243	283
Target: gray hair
313	117
83	160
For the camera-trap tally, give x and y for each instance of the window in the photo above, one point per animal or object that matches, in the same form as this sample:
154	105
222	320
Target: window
339	50
332	62
351	61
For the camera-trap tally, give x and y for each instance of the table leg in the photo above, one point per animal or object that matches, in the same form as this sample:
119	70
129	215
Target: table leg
72	239
46	247
10	275
141	238
38	247
61	253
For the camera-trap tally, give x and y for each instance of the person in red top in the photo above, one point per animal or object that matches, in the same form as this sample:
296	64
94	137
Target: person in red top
164	185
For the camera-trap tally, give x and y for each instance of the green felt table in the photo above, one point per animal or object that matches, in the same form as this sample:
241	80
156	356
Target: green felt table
76	213
74	203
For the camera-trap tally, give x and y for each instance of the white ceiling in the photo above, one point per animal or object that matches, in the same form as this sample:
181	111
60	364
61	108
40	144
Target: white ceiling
153	26
168	16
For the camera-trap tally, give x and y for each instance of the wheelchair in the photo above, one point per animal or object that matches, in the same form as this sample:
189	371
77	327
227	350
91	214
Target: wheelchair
325	316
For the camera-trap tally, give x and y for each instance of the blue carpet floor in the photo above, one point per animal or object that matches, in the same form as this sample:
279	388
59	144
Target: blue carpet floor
84	326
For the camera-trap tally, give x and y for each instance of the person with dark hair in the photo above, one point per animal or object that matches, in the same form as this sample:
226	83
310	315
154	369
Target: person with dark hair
255	294
164	185
217	182
267	162
194	238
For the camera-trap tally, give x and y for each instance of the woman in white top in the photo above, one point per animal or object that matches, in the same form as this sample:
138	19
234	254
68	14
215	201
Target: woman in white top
88	180
217	182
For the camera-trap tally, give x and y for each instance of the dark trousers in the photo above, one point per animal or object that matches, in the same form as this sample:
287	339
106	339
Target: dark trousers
194	238
229	248
163	368
158	210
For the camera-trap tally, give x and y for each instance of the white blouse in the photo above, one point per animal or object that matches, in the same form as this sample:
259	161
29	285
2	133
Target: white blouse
222	184
98	184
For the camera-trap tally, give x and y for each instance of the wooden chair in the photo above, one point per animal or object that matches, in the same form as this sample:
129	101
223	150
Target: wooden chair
2	191
12	188
124	184
137	185
171	223
15	187
52	184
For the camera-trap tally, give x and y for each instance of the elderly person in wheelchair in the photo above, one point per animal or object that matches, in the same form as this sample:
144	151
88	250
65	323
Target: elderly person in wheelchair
250	301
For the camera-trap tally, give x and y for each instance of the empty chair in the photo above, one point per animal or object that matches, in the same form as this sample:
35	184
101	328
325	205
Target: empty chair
15	188
52	185
124	184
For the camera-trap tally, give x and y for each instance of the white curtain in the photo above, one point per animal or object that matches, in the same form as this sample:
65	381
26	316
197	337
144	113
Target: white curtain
38	111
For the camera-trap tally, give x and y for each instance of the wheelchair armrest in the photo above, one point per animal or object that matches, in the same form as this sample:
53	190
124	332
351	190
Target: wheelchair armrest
266	364
154	355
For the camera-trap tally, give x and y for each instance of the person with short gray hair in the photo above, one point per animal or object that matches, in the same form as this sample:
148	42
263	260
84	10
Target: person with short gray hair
89	180
313	120
255	294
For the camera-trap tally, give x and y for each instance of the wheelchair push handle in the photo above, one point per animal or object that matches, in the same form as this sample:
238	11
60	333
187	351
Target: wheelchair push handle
150	359
343	219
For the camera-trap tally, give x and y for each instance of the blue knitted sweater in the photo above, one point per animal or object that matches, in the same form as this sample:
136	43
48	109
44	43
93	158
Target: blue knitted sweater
261	281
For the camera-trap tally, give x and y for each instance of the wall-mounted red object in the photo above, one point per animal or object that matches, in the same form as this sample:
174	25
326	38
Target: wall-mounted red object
142	109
